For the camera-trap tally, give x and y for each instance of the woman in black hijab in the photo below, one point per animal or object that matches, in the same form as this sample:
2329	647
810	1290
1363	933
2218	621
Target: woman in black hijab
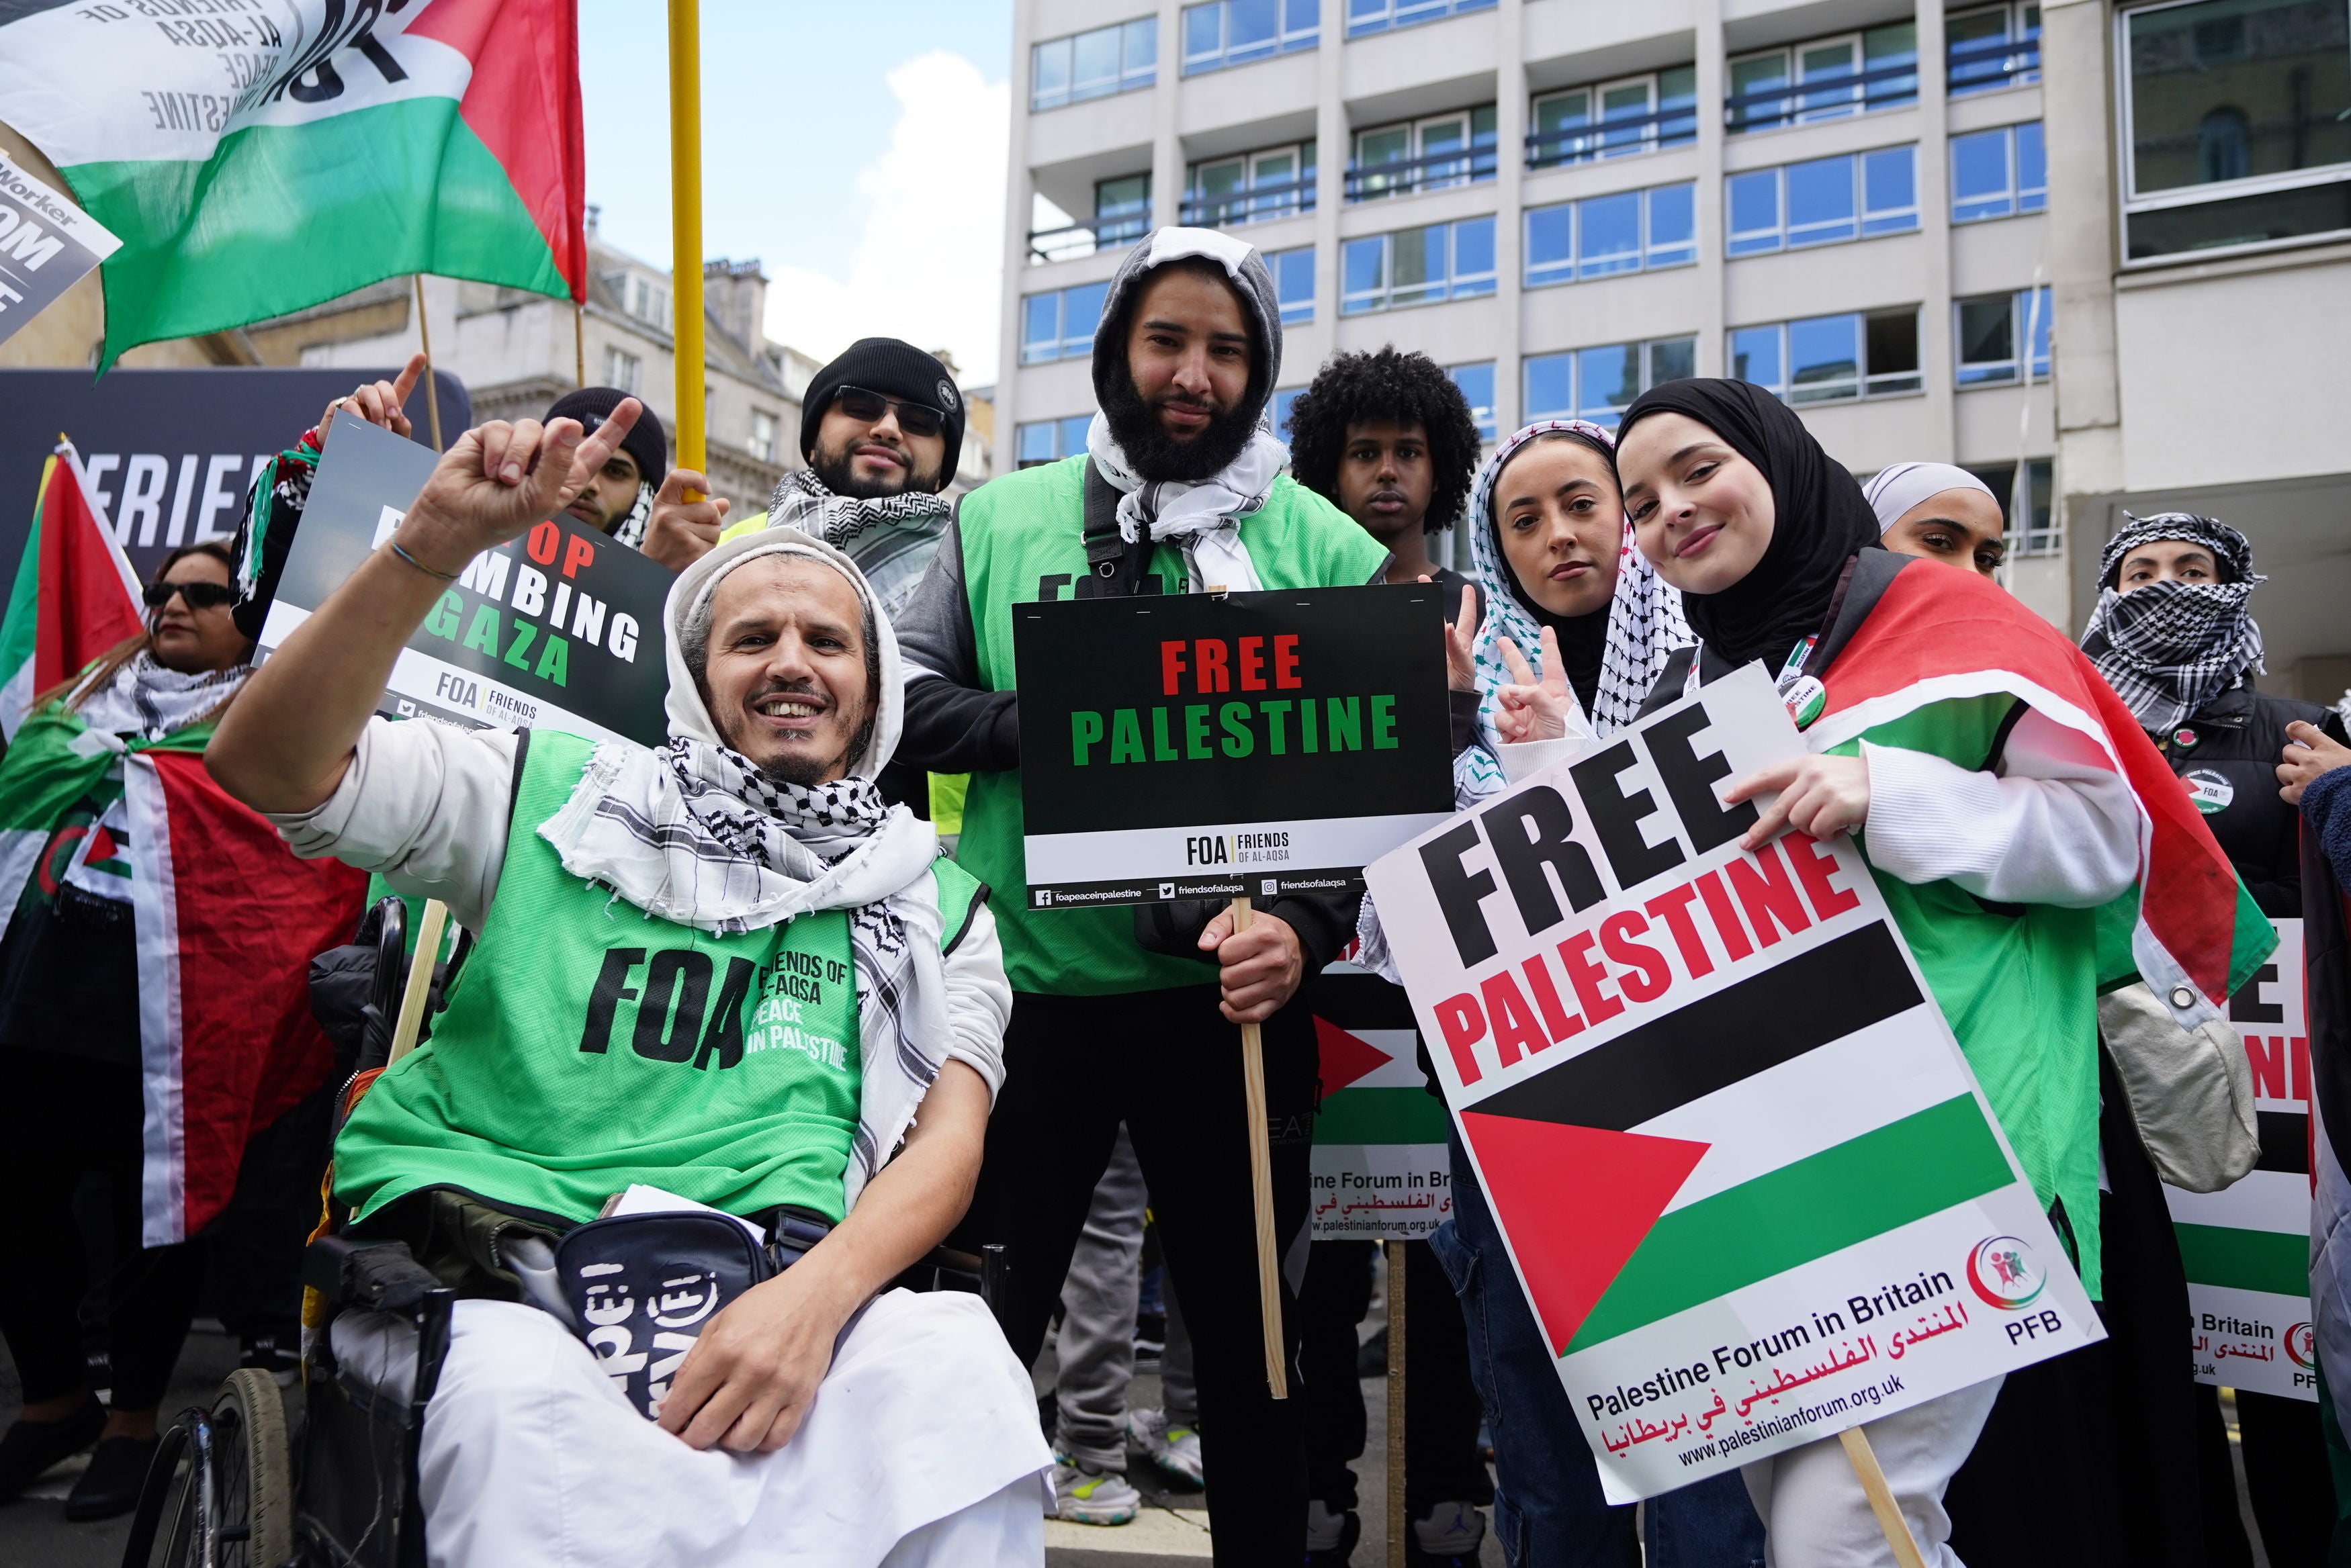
1994	831
1792	572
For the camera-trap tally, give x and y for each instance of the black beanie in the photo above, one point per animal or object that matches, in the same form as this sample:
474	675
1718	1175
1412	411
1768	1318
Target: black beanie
645	440
895	370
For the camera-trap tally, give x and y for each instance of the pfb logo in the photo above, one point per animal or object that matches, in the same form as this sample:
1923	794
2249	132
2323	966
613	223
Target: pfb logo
2302	1346
2003	1273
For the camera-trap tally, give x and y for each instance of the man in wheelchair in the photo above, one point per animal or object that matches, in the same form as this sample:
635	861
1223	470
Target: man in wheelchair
725	970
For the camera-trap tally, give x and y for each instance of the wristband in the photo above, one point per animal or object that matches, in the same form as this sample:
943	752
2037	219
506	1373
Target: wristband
428	571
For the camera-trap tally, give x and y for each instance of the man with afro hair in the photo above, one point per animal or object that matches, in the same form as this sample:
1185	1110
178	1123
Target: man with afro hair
1388	438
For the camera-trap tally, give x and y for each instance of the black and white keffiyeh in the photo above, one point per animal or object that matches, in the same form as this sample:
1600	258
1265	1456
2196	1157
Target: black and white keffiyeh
804	502
2170	647
1202	518
631	530
145	699
696	834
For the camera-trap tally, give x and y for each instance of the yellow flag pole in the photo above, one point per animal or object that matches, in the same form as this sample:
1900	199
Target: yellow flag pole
686	226
425	341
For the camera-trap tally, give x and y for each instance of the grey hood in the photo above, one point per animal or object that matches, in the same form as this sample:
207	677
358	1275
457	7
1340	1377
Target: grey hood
1249	276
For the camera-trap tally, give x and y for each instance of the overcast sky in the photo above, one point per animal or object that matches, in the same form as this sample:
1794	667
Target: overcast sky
857	150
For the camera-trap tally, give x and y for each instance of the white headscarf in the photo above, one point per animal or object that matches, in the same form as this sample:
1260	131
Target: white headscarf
1891	491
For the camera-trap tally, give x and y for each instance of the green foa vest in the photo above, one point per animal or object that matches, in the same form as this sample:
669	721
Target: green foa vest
2018	984
586	1046
1023	541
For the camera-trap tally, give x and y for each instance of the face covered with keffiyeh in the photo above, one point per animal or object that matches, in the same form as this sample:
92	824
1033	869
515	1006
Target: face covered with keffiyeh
2173	629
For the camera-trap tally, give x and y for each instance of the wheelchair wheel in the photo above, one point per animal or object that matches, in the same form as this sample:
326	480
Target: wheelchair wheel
220	1494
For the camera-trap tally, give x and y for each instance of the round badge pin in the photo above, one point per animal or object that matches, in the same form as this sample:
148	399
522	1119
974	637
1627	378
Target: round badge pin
1805	700
2183	736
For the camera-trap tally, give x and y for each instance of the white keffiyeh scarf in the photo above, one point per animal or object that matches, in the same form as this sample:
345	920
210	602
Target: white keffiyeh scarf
1202	517
145	699
804	502
694	833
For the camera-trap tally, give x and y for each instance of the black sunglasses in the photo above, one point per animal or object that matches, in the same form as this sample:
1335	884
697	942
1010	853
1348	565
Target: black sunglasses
200	596
915	419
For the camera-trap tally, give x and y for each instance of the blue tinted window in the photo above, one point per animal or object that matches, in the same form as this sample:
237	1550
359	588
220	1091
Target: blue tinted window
1283	402
1754	212
1550	245
1074	434
1611	379
1823	358
1609	230
2032	307
2032	168
1672	359
1041	328
1294	280
1477	384
1417	263
1820	201
1890	191
1979	168
1673	225
1034	443
1551	387
1080	314
1473	256
1755	356
1363	274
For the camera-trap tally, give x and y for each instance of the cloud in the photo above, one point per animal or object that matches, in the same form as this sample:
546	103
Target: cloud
927	262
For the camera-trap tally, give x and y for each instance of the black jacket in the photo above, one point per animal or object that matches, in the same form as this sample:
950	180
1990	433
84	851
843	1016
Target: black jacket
2229	752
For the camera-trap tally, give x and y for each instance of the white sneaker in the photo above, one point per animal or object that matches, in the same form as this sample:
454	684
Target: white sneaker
1174	1449
1086	1496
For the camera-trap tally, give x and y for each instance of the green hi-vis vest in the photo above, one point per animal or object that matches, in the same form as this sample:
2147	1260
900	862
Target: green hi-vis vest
2018	984
1024	540
587	1046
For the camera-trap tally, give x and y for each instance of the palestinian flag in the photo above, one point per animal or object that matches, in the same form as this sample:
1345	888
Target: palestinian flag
2194	935
225	922
75	595
1381	1168
256	160
1599	1167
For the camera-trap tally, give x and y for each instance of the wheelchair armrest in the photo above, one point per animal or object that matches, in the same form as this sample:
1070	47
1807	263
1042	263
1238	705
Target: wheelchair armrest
382	1276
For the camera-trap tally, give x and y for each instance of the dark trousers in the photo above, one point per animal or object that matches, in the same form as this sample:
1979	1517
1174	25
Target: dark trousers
2091	1459
81	1119
1440	1438
1167	1064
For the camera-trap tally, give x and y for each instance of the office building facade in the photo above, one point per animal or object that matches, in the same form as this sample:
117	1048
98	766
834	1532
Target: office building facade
1566	201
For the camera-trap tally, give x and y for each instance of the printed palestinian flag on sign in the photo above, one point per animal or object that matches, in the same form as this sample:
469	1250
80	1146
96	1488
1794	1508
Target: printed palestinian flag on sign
2195	935
259	160
1380	1166
226	921
75	594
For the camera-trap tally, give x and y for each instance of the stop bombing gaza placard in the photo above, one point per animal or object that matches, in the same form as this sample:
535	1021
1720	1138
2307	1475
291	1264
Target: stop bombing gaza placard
2247	1247
560	629
1227	745
1744	1173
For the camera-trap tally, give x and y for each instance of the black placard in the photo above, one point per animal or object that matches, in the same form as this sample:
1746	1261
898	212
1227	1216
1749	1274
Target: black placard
1216	744
560	629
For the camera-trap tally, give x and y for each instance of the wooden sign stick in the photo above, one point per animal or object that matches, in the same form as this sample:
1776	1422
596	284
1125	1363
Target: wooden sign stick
420	980
1269	1267
1881	1498
1398	1521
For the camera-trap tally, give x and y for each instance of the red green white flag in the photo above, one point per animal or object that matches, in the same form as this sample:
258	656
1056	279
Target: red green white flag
75	594
258	159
